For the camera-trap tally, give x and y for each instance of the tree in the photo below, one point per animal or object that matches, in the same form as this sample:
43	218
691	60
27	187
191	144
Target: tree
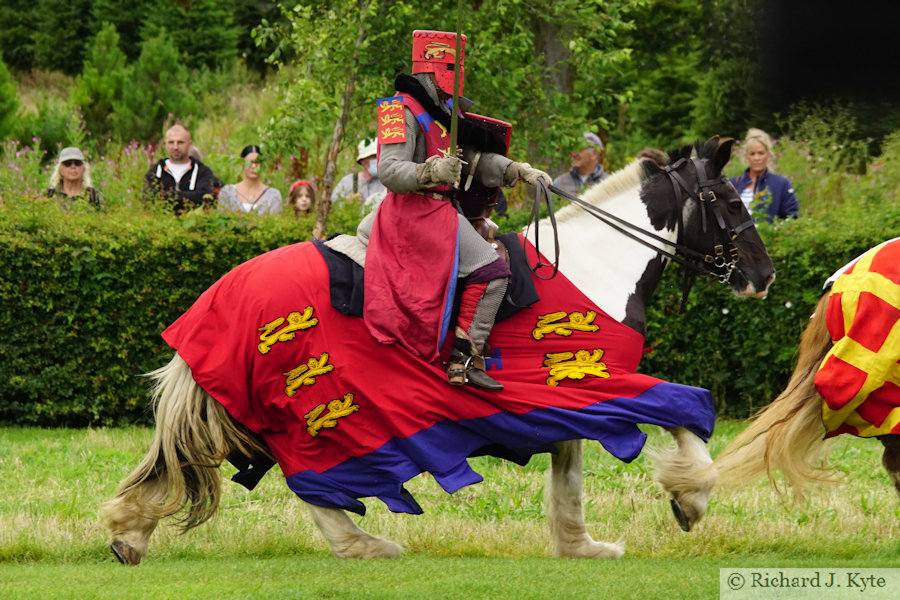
9	100
16	28
61	31
549	69
100	85
203	30
351	53
128	18
155	93
525	63
250	14
694	71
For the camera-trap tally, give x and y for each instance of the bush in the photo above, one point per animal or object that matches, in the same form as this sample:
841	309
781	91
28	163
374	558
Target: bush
84	300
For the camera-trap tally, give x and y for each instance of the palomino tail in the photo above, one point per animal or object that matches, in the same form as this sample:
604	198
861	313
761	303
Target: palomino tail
194	435
788	435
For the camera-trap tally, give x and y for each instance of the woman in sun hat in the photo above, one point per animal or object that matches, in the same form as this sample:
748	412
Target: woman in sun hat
70	180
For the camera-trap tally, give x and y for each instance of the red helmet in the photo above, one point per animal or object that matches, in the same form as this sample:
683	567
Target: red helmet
435	52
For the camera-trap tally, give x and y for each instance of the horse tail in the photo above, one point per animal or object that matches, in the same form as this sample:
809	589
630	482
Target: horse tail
194	435
788	434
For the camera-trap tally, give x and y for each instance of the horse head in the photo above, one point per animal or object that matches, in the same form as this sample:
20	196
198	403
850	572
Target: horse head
716	232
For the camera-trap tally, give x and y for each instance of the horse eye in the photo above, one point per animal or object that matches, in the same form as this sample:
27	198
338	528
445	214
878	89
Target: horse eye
735	205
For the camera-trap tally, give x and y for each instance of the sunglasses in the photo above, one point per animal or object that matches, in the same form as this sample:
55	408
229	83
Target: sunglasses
72	163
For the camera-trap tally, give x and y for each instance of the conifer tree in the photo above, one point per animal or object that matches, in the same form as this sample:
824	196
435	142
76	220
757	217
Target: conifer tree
61	32
203	30
128	17
101	83
9	100
16	28
157	87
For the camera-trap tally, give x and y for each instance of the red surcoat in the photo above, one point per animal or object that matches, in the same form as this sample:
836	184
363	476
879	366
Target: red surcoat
411	261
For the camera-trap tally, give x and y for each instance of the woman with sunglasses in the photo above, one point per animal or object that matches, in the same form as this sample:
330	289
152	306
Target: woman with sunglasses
70	180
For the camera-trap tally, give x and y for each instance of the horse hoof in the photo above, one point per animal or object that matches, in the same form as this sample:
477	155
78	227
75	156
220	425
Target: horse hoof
126	554
682	519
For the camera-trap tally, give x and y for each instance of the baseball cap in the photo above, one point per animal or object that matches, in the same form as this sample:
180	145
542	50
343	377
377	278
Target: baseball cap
594	140
70	153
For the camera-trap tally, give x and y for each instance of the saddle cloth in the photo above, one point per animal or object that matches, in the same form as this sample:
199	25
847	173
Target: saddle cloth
349	418
859	378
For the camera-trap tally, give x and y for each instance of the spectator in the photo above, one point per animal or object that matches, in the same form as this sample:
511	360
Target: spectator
586	169
181	180
250	195
302	198
364	184
71	179
762	191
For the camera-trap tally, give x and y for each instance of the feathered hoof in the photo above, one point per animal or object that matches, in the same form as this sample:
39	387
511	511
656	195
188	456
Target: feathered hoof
126	553
592	549
370	547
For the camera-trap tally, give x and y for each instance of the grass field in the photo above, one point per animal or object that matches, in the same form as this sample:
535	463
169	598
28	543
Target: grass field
486	541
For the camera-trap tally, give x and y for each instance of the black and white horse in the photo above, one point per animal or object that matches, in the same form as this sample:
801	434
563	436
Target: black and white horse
687	206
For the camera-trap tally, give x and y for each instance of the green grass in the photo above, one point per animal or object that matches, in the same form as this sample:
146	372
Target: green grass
487	541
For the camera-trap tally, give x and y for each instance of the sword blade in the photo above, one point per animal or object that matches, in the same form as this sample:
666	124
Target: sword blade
454	115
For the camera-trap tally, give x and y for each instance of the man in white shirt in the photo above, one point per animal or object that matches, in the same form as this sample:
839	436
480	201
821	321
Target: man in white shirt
181	180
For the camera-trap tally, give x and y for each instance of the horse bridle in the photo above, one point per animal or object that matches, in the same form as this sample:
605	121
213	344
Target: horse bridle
720	265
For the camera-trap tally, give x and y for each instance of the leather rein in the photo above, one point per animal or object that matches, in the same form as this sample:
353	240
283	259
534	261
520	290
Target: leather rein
724	259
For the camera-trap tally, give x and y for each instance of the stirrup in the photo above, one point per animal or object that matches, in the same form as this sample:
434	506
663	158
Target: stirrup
456	368
464	368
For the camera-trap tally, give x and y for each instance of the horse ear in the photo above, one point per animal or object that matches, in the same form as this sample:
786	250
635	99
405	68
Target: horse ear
723	153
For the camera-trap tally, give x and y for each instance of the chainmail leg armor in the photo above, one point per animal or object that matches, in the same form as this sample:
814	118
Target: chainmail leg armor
483	320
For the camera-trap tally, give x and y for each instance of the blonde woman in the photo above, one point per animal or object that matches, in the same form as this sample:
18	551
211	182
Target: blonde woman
761	190
71	179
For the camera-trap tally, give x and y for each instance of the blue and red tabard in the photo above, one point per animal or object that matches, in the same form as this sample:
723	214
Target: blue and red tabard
860	375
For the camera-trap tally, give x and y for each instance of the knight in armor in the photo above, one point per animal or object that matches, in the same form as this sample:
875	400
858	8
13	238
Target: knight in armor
419	244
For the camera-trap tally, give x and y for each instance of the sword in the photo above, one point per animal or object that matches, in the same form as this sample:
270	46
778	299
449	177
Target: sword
454	116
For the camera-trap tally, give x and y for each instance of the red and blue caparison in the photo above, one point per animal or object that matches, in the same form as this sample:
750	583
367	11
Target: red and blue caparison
266	343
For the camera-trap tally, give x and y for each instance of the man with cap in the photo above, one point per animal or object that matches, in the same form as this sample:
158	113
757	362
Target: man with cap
419	245
180	179
586	169
364	184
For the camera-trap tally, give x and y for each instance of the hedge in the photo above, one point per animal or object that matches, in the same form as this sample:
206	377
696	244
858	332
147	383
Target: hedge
85	295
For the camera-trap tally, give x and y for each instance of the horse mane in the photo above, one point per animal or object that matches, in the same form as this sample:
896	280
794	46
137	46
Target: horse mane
621	181
703	149
636	173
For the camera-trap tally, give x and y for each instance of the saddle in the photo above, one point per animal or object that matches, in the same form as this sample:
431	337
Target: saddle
347	288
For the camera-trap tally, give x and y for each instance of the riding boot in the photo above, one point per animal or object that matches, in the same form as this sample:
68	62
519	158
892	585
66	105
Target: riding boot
478	308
